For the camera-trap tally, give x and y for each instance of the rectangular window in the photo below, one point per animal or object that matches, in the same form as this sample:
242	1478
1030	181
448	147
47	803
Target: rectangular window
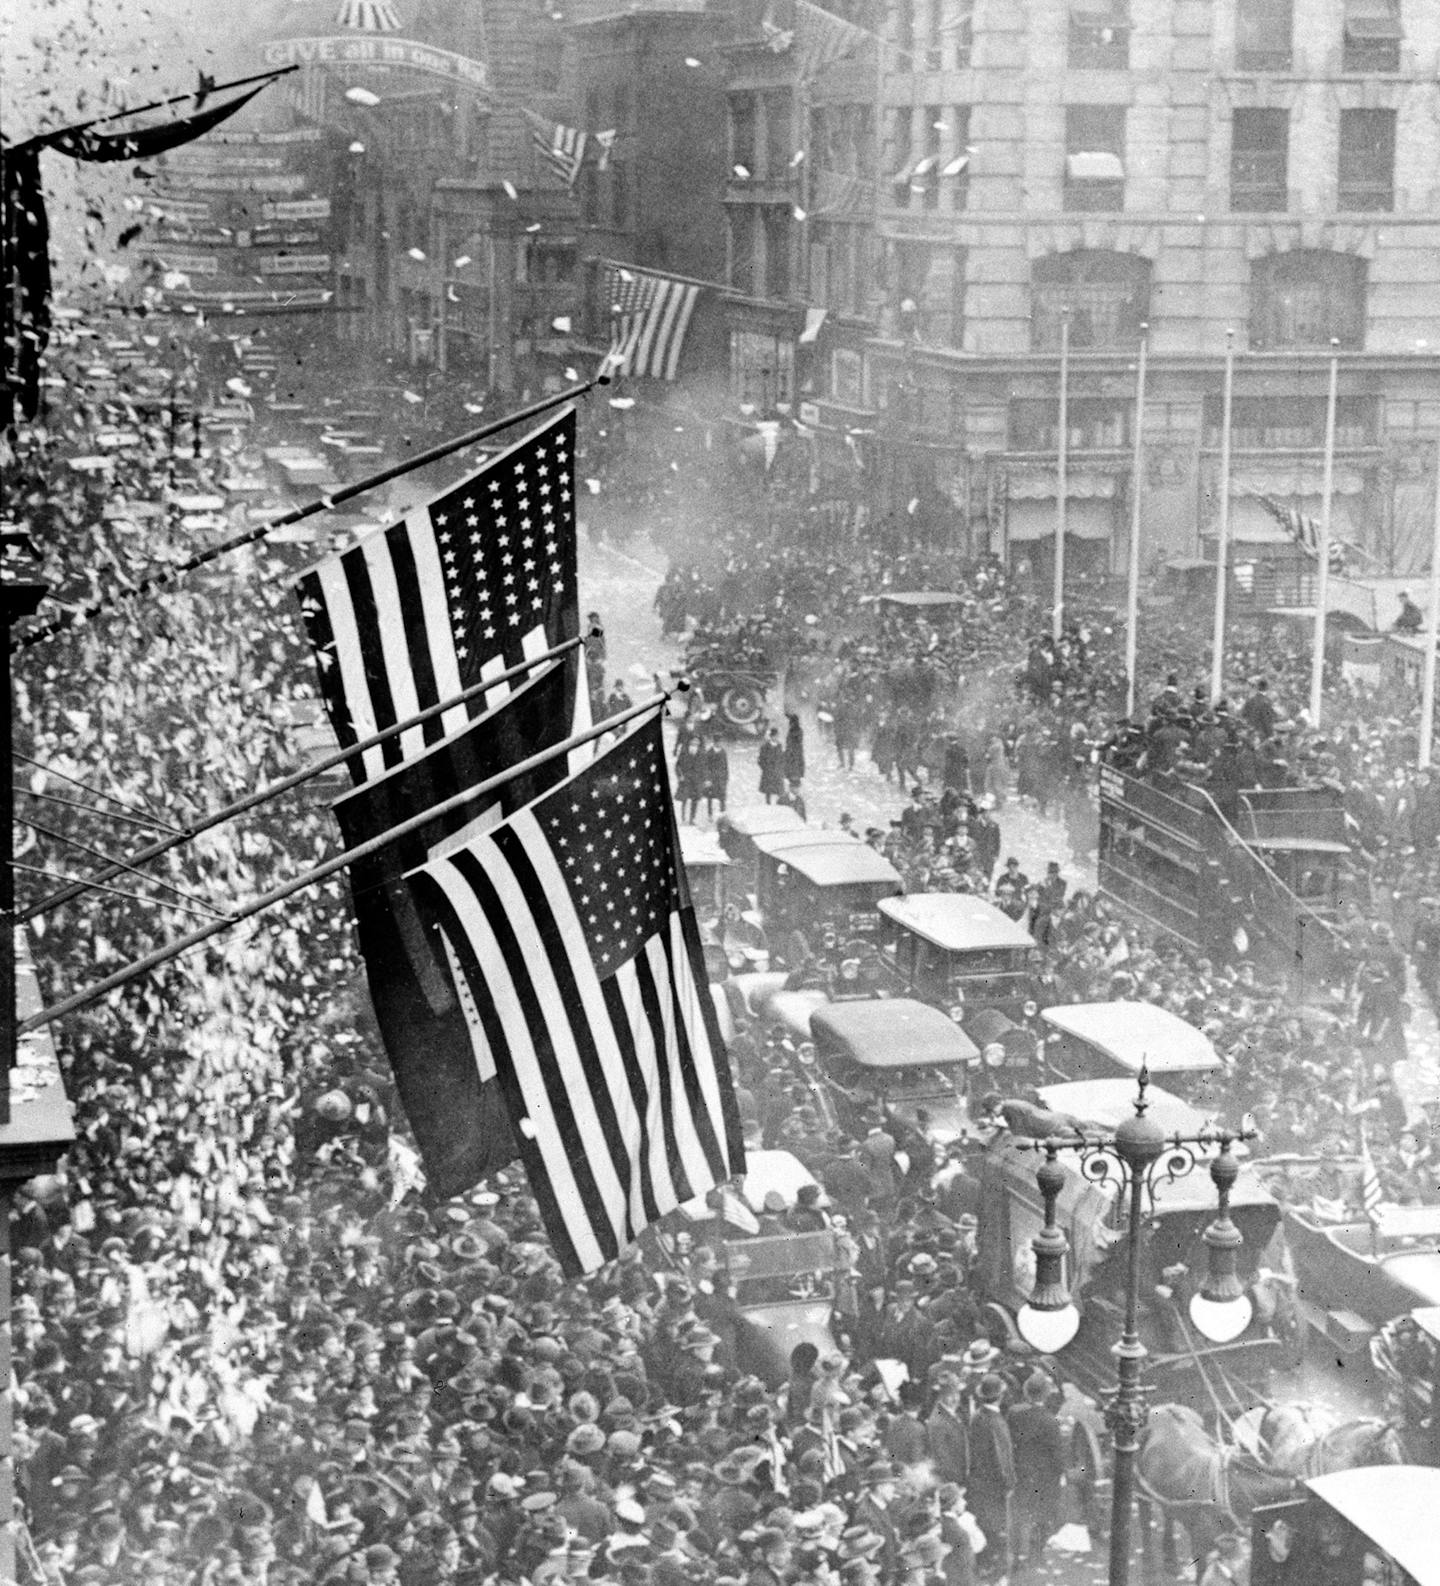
955	172
1367	159
1098	424
742	136
777	254
904	155
742	250
1372	36
1099	35
935	29
905	28
1279	423
1094	157
1263	35
1259	160
780	140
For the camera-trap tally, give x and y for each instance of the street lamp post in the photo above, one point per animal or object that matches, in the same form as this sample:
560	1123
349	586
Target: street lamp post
1136	1156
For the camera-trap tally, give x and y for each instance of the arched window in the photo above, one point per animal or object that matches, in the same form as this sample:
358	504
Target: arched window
1106	294
1304	298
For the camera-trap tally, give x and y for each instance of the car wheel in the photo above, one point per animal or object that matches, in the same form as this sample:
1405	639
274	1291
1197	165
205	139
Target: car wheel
740	705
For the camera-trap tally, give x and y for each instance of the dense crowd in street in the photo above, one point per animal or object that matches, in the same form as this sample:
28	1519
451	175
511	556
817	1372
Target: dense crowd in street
253	1351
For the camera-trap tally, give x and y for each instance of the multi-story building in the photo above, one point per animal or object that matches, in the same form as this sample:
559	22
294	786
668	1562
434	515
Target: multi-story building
1261	170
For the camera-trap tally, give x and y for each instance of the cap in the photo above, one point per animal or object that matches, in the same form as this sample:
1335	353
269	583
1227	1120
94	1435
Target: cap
991	1389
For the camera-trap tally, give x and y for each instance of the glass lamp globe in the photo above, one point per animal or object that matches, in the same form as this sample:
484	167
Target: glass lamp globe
1221	1321
1048	1331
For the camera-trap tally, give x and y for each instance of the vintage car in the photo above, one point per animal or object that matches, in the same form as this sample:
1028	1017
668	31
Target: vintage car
1374	1526
737	831
961	954
900	1058
1183	1367
1112	1040
822	888
784	1283
706	864
1355	1275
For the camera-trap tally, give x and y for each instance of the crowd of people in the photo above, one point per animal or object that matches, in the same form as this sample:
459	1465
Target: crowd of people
252	1350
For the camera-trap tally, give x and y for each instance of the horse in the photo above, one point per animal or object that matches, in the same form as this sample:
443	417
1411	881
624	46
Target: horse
1209	1487
1309	1440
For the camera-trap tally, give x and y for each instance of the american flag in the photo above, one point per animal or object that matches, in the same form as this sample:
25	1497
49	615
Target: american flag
649	316
368	16
605	142
1304	530
561	147
443	1068
1372	1193
465	586
824	37
573	927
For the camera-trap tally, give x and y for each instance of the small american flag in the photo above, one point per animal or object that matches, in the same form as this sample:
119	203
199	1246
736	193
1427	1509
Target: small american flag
467	585
605	142
1372	1194
367	16
572	925
1304	530
561	147
649	316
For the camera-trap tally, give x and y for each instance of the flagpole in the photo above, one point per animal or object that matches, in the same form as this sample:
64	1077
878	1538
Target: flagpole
81	614
1222	546
42	138
1062	480
274	790
1132	583
1322	549
1432	633
322	872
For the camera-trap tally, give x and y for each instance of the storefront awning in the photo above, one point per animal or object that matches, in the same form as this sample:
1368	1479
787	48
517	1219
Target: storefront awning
1080	485
1094	166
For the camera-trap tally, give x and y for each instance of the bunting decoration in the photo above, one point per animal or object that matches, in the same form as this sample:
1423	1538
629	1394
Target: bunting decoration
1304	530
25	230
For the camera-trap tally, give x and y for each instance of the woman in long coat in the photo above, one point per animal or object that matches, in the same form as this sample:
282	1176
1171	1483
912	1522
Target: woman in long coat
772	766
689	779
794	749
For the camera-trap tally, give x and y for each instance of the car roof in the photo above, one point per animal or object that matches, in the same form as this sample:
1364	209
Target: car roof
701	848
779	843
1393	1506
1109	1102
763	818
956	922
893	1032
841	863
1129	1033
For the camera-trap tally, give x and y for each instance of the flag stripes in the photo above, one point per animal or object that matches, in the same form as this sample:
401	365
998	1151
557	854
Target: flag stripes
650	315
603	1034
824	38
420	610
368	16
1372	1193
1304	530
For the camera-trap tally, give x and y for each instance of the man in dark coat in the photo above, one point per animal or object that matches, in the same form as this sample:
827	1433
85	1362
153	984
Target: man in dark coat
948	1434
772	766
1012	888
1258	712
992	1474
1039	1445
714	776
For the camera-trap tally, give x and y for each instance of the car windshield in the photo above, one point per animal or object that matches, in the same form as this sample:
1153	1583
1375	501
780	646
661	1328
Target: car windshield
944	1079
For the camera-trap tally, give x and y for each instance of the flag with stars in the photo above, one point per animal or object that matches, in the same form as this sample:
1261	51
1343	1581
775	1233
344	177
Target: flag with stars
443	1069
572	925
465	586
649	316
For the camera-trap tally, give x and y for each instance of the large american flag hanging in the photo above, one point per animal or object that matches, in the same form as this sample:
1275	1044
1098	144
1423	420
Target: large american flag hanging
465	586
649	315
573	928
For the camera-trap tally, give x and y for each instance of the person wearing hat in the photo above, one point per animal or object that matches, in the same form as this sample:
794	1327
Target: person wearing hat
947	1432
1038	1441
1012	888
873	1510
992	1474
